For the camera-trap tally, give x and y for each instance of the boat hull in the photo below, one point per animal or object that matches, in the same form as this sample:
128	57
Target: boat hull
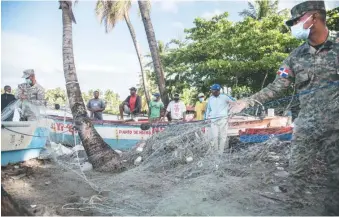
124	136
253	135
21	141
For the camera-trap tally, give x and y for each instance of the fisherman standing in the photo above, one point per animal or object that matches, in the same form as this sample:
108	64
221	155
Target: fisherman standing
96	106
32	96
155	107
200	107
314	69
217	112
177	109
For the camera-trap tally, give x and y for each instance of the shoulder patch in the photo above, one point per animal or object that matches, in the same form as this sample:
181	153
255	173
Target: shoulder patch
283	72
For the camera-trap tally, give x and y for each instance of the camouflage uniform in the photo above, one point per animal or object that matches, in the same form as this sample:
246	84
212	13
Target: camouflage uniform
35	97
317	126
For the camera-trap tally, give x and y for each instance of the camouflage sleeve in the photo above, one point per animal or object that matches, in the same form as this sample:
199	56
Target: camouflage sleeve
40	99
19	91
281	83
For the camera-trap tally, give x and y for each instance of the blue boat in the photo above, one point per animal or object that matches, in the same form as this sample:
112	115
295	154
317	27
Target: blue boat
21	141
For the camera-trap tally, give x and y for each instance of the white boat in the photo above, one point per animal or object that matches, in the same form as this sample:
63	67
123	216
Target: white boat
125	135
21	141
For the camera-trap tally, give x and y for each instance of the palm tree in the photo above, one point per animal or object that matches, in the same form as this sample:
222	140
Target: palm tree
152	42
260	9
102	157
109	13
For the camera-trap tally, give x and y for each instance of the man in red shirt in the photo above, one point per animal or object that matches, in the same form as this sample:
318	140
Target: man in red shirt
131	105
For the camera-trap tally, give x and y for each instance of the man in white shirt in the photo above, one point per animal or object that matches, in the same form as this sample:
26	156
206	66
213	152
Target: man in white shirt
177	109
217	111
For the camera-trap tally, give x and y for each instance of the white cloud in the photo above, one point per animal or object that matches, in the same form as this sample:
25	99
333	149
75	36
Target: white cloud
170	6
210	14
116	70
178	25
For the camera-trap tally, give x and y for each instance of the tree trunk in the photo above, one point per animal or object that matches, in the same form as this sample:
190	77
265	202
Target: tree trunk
263	82
137	49
152	42
101	156
9	207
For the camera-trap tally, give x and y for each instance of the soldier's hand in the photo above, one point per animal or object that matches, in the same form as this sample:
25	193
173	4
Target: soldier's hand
238	106
23	97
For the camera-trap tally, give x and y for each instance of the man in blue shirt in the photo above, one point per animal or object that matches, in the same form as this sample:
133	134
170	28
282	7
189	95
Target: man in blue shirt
217	111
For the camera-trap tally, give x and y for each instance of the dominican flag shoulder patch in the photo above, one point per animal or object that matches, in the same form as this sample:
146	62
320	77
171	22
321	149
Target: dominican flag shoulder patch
283	72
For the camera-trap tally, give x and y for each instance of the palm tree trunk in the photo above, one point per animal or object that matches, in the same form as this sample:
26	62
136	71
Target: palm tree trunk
101	156
137	50
152	42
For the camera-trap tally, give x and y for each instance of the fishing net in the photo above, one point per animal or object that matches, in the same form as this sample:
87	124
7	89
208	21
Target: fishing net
16	109
179	171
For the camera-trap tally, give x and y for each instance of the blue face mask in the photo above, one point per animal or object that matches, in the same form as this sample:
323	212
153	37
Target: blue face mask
154	98
201	99
28	81
299	32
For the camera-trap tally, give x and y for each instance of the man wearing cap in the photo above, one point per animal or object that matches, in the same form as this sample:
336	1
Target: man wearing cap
217	111
6	99
177	109
313	67
32	96
96	106
200	107
131	105
155	106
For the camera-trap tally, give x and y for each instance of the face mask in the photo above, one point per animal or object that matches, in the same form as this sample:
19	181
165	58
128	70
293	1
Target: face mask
299	32
28	81
154	98
201	99
176	99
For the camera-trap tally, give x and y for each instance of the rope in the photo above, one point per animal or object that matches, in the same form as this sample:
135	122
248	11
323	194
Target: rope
25	134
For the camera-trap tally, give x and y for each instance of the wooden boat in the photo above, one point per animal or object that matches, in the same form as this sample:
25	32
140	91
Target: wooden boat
253	135
125	135
21	141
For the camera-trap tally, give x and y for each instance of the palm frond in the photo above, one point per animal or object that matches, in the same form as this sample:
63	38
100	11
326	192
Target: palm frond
111	12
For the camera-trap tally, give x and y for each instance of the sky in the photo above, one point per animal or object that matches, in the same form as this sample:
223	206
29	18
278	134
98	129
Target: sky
31	37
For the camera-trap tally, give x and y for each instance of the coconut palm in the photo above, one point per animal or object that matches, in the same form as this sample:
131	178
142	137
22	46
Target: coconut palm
261	8
152	42
102	157
109	13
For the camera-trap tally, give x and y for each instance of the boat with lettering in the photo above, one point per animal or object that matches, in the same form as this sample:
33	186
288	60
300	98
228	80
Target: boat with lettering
125	135
21	141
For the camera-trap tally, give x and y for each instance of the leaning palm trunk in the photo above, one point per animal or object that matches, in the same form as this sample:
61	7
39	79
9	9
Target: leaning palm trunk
152	42
137	49
102	157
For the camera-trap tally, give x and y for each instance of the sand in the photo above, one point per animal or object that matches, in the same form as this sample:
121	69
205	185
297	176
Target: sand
43	187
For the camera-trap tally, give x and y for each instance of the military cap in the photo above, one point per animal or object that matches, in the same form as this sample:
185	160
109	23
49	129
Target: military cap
28	72
301	8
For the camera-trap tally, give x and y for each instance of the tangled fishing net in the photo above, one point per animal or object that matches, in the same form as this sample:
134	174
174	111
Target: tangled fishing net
178	172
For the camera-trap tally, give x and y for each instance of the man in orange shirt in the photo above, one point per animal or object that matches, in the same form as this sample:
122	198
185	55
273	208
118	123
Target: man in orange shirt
131	105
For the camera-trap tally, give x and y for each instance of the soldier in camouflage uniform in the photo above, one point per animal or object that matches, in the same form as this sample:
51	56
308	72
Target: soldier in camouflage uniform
32	96
310	67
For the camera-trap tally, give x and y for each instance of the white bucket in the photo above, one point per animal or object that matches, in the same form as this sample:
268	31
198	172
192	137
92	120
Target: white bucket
270	112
